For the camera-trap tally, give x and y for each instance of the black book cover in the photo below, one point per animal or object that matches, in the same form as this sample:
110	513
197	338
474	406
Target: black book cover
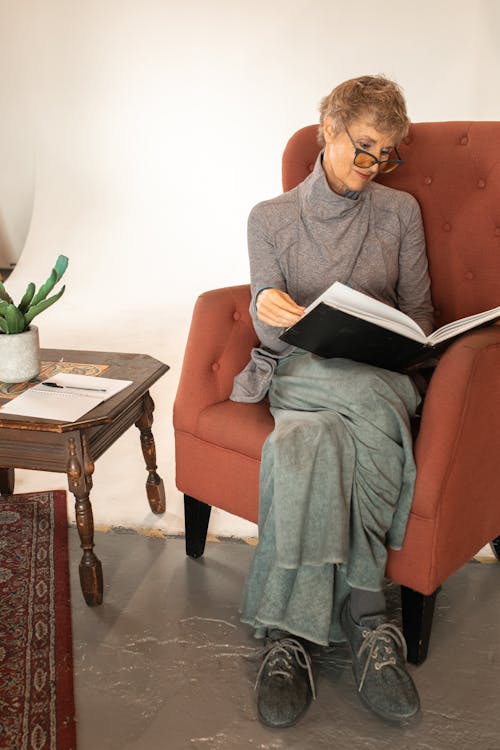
329	332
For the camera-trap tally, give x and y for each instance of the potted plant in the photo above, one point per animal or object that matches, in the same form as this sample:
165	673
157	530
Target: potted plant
19	343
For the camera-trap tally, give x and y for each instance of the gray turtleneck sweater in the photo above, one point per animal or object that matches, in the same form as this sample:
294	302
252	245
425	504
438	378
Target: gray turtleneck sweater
304	240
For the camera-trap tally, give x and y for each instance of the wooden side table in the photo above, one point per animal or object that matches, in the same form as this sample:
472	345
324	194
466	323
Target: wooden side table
73	447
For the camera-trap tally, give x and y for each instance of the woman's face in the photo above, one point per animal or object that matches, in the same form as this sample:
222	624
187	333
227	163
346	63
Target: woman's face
341	172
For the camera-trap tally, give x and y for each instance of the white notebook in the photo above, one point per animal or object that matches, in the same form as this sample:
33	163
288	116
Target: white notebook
64	397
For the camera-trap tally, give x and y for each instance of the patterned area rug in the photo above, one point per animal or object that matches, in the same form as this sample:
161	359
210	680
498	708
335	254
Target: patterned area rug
36	668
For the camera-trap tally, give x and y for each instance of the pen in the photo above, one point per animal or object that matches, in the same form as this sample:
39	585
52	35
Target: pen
74	387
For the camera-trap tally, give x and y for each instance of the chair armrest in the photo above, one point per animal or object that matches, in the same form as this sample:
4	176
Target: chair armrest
458	444
218	347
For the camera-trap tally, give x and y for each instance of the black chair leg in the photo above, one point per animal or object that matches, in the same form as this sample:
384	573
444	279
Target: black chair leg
6	481
196	518
418	610
495	546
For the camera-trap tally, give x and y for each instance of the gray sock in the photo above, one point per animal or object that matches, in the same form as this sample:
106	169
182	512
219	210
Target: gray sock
366	603
275	634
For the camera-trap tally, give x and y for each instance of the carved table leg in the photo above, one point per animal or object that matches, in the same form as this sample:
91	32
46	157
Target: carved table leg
154	483
6	481
80	470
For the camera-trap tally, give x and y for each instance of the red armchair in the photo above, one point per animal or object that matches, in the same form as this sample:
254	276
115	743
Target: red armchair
453	170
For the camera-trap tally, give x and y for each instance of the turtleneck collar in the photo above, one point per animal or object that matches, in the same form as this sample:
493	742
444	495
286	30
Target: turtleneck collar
321	201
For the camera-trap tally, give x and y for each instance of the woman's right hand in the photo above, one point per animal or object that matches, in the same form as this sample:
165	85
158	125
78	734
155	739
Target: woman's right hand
277	308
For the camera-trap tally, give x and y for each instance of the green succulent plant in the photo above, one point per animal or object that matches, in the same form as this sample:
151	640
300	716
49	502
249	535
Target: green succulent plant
16	319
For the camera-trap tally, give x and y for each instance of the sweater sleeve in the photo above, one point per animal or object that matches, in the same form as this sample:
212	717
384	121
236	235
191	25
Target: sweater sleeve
265	272
413	289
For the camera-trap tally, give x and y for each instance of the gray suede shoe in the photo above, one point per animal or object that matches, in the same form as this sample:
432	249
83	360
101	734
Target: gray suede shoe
379	666
285	683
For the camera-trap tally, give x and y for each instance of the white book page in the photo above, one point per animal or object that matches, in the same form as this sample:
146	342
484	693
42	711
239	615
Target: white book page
71	398
462	325
362	306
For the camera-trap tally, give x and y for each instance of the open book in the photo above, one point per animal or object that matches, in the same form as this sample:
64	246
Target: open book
343	322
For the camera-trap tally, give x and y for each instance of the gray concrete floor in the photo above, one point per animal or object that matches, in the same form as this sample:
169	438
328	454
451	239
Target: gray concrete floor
160	665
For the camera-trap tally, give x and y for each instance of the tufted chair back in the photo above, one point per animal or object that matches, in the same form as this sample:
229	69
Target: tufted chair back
453	170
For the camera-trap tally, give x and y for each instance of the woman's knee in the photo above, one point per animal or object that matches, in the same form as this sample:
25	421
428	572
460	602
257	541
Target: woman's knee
308	427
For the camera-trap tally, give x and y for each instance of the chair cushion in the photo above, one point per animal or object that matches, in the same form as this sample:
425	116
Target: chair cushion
240	427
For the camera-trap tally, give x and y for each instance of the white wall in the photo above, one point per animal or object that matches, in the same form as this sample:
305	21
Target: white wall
135	135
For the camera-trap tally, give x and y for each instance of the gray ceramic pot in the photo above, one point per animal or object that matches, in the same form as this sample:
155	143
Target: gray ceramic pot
19	356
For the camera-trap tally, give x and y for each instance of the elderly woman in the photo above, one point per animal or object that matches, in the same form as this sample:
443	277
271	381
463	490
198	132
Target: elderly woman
337	472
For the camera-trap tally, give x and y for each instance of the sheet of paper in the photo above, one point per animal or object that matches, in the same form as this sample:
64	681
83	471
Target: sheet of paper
67	399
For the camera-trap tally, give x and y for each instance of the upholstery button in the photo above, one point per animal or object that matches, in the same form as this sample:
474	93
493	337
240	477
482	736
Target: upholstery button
497	231
481	183
446	227
311	167
236	315
464	140
407	140
427	180
215	366
469	275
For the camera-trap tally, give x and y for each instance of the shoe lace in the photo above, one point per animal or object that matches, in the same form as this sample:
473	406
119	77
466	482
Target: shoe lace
278	656
380	643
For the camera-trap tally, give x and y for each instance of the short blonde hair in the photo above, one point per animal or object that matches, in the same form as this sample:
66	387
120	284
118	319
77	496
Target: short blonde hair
376	96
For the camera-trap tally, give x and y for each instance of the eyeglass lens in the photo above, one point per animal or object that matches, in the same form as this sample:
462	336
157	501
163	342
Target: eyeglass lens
367	160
